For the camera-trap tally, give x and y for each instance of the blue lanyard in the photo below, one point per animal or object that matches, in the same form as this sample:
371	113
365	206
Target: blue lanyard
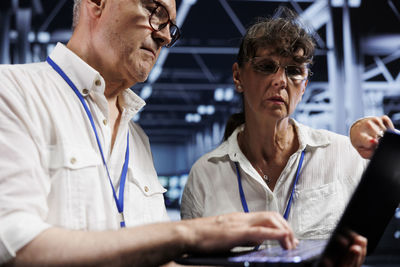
118	201
289	204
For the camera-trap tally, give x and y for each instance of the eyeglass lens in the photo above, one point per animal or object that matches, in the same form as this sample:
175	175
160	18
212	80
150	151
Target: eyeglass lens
268	66
159	19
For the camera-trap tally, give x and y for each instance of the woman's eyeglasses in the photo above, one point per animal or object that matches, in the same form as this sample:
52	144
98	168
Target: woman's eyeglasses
296	73
159	19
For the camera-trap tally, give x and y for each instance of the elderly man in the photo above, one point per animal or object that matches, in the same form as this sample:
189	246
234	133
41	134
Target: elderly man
77	181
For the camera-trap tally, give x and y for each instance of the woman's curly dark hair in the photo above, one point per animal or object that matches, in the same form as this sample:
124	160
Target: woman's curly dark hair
286	35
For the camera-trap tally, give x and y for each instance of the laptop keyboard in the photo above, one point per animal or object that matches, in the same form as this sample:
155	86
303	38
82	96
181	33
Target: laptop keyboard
307	249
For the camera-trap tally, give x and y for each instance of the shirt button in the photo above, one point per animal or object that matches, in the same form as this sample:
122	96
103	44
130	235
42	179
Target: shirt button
146	189
72	160
105	121
85	91
97	82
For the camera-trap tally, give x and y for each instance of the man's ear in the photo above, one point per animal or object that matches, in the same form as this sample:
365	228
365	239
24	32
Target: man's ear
96	7
236	77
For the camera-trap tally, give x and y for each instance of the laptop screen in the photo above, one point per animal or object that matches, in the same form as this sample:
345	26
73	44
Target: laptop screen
374	201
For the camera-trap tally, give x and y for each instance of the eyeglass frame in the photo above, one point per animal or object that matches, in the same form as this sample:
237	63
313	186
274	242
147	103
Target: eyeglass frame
163	25
309	73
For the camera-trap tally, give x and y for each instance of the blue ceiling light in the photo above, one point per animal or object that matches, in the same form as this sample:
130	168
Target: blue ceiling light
219	94
228	94
146	92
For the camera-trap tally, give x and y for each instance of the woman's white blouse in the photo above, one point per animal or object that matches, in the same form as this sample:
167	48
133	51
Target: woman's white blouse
330	172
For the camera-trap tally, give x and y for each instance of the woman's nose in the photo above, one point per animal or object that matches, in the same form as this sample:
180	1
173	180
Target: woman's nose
280	78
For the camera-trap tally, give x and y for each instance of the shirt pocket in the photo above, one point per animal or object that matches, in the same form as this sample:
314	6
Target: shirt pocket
316	211
72	157
75	187
145	197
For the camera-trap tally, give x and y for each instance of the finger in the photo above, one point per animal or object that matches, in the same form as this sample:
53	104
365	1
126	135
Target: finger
354	257
291	239
358	249
387	122
366	153
375	127
372	130
362	243
276	221
363	133
260	233
270	219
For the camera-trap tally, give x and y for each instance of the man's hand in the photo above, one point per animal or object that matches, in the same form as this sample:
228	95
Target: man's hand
365	133
238	229
153	244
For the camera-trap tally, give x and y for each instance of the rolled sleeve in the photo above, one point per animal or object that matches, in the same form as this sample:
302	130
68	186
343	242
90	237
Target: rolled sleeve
24	184
17	230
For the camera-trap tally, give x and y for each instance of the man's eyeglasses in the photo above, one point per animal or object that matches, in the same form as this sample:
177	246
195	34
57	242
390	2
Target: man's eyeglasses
295	73
159	19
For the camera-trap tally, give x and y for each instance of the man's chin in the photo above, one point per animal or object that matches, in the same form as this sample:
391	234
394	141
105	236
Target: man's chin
139	76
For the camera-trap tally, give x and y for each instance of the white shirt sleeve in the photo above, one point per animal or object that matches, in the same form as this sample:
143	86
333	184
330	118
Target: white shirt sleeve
23	182
192	204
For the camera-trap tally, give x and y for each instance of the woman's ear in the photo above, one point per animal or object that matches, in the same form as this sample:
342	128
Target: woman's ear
236	77
304	87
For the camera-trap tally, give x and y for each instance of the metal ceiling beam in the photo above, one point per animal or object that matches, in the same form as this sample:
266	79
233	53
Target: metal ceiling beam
165	122
23	25
317	14
182	12
354	104
372	71
185	108
382	44
217	50
393	87
186	86
204	68
276	1
52	15
166	132
5	19
335	74
204	50
233	17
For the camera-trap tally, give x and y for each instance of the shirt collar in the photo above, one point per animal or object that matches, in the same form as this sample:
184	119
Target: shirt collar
307	136
87	79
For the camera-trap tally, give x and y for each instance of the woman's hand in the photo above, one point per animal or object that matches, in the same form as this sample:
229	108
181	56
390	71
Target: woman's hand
365	133
357	251
347	250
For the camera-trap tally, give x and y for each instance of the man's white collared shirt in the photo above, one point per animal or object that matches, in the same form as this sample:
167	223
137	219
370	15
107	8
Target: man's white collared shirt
52	172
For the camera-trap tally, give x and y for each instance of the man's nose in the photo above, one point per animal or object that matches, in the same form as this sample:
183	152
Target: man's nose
163	36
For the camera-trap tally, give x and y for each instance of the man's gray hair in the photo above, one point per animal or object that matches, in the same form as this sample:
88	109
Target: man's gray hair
75	13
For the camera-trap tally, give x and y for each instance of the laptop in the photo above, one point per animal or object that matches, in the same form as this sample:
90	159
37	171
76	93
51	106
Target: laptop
368	212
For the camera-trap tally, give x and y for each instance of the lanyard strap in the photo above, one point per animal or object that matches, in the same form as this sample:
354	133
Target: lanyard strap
289	204
118	201
242	196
